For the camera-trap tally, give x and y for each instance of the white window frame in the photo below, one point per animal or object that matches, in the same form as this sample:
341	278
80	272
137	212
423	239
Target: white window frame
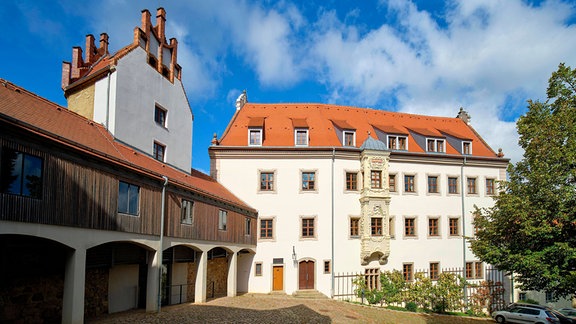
353	138
222	219
436	141
187	218
298	130
256	130
396	142
164	149
470	145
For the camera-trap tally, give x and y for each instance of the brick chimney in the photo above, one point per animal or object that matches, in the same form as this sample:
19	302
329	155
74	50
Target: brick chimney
146	21
77	62
90	49
103	49
161	24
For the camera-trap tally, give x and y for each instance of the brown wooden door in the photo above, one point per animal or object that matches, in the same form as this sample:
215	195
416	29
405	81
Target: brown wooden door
306	275
278	278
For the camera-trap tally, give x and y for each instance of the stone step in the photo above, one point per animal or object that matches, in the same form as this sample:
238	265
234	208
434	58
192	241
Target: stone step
309	294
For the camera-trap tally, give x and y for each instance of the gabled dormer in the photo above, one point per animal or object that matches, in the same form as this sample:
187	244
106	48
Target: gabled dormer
256	131
396	139
346	133
462	144
429	139
301	132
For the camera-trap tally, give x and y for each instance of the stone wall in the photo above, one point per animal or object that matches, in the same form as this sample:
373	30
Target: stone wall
191	280
96	292
34	299
218	276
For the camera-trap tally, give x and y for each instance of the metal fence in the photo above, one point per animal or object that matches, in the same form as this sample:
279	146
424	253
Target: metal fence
490	286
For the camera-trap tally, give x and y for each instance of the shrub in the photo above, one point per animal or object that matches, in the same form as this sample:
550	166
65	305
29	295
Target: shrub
411	306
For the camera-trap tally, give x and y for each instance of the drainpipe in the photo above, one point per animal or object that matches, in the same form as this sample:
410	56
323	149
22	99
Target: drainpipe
112	69
161	238
332	270
463	229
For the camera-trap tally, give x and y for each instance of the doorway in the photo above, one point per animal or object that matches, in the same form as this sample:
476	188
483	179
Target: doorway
278	278
306	275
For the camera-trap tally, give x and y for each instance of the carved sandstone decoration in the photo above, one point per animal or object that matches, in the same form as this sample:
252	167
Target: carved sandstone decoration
375	204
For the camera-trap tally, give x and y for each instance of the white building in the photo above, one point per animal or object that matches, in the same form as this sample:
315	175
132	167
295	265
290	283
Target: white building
344	189
137	93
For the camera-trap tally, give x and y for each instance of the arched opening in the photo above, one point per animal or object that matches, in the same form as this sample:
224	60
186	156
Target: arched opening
31	279
245	261
217	273
179	269
116	278
306	274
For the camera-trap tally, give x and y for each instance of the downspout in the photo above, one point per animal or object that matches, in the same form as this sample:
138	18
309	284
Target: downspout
160	256
463	230
112	69
333	263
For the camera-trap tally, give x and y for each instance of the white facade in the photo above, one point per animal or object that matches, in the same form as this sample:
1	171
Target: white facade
332	206
126	101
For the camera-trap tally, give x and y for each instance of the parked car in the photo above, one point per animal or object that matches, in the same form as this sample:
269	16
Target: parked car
525	314
570	312
561	317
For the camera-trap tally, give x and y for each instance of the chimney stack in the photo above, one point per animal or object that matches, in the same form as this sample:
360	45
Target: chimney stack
90	48
161	23
103	49
145	21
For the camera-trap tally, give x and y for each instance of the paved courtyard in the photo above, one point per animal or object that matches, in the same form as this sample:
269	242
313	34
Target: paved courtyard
277	309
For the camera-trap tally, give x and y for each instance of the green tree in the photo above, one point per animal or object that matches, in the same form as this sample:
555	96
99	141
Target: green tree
531	229
392	284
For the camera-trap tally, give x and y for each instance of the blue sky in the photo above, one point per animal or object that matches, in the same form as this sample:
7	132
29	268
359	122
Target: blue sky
425	56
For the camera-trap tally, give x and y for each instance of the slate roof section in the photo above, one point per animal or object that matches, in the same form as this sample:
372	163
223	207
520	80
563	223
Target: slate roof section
324	121
373	144
56	123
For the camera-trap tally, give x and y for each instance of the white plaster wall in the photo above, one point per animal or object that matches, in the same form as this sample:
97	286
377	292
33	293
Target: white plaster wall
135	89
123	288
287	204
179	277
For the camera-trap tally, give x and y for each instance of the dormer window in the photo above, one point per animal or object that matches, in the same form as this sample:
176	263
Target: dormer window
301	137
397	142
349	138
255	136
467	148
435	145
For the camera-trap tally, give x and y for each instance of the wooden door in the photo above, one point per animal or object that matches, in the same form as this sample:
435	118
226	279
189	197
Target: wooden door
278	278
306	275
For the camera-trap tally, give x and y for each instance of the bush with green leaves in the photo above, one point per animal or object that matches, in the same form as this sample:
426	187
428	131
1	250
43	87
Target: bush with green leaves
420	289
448	293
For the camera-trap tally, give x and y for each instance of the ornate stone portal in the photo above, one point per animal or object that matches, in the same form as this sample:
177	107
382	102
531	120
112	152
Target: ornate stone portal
375	203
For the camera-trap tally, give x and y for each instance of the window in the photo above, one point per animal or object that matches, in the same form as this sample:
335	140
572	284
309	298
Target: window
376	225
159	151
21	174
187	212
433	227
307	227
222	219
301	137
453	226
349	138
474	270
549	296
372	278
255	137
266	230
469	270
522	296
354	227
266	181
160	116
397	143
391	227
128	198
478	273
435	145
351	181
467	148
471	185
258	269
407	271
327	266
434	270
489	186
410	227
432	184
392	182
409	185
247	226
308	181
376	179
452	185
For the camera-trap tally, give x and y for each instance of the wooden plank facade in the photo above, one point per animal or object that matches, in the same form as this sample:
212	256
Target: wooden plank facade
82	191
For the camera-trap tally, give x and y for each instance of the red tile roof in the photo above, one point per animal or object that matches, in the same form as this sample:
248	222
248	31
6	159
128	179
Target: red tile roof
324	119
54	122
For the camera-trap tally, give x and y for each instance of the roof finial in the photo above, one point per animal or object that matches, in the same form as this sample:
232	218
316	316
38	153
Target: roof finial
215	140
463	114
242	100
500	153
